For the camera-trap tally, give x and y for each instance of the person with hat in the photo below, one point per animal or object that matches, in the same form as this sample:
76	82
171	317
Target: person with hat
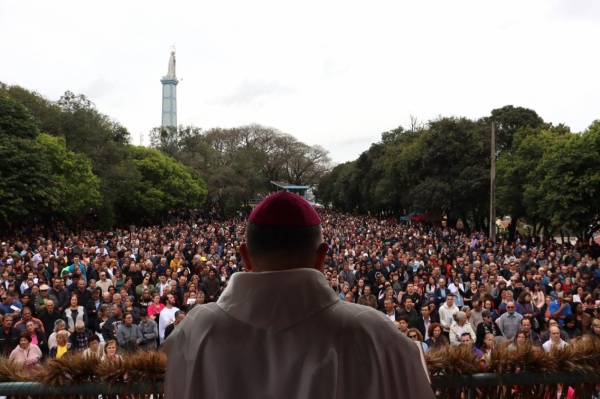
282	331
45	295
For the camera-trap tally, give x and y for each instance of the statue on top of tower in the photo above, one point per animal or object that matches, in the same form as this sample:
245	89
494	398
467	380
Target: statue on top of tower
171	71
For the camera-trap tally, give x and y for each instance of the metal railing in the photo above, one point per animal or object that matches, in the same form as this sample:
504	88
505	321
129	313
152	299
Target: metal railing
476	385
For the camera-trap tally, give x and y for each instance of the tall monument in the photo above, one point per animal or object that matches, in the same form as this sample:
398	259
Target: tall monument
169	94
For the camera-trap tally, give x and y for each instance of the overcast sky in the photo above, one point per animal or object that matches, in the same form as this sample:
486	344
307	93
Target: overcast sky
333	73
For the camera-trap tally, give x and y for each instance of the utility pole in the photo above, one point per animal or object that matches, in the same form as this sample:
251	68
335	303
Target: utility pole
493	186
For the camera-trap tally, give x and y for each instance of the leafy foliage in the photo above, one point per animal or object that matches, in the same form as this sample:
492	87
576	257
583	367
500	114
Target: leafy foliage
165	184
545	173
239	163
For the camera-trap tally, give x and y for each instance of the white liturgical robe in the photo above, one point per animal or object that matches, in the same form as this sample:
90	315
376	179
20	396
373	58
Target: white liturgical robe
286	335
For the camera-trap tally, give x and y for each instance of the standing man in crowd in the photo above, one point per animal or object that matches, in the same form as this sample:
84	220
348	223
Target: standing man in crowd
300	339
509	322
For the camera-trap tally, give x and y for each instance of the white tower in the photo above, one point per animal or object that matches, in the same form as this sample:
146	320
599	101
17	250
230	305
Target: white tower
169	94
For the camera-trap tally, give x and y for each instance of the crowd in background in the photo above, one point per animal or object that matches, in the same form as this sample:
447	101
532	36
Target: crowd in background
109	293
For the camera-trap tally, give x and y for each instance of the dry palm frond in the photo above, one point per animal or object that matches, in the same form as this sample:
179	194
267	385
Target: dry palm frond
146	366
68	370
453	360
505	359
12	372
112	372
583	356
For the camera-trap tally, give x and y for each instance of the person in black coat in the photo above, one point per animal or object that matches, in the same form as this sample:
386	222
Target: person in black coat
48	315
9	336
440	293
179	316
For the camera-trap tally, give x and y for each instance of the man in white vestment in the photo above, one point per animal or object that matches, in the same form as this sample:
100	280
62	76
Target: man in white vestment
280	331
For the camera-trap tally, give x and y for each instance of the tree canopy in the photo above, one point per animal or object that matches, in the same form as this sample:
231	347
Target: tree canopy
546	175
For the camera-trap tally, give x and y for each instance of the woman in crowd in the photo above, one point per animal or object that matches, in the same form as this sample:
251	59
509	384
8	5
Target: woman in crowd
557	288
570	327
144	286
59	325
528	309
583	321
155	307
416	335
520	340
430	288
594	331
26	353
537	296
362	272
345	289
223	275
103	315
436	338
74	312
131	308
117	279
460	327
487	346
37	336
471	292
63	346
110	352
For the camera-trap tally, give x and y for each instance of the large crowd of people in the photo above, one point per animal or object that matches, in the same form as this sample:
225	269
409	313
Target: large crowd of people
103	293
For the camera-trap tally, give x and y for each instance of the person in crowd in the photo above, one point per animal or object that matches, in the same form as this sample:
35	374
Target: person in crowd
520	340
583	320
530	334
149	330
155	307
26	317
9	336
486	347
74	313
80	338
179	316
26	353
595	329
45	295
415	335
112	324
129	334
130	306
95	349
486	327
570	328
37	336
509	322
447	312
555	342
466	340
459	327
559	308
110	352
166	316
62	347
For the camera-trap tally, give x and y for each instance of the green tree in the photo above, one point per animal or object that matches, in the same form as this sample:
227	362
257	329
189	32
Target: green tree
571	181
26	189
77	188
509	120
105	143
165	185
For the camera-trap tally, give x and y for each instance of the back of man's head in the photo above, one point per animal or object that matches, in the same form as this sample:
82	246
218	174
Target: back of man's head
283	232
